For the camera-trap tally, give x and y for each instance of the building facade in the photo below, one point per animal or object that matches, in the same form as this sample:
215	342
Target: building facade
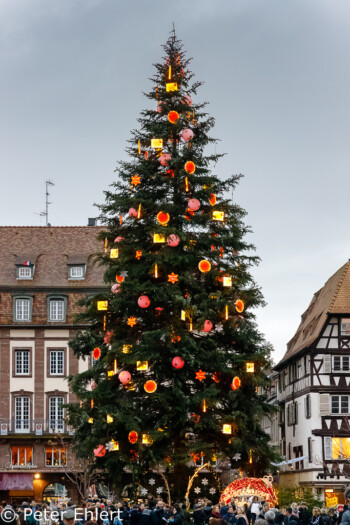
44	272
314	396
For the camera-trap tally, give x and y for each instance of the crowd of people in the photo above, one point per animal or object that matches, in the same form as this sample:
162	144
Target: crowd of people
154	511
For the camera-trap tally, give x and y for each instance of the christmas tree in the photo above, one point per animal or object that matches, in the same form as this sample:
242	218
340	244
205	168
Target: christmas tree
177	355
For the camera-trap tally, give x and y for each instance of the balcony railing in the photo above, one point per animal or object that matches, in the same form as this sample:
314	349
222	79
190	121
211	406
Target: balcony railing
37	427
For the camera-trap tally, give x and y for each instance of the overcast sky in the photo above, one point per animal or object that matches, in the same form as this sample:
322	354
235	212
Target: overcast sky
277	76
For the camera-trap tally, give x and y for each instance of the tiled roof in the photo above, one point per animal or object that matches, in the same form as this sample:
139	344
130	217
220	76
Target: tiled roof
333	298
51	248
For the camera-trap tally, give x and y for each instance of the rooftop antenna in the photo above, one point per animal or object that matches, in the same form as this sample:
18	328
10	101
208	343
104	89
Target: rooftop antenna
46	212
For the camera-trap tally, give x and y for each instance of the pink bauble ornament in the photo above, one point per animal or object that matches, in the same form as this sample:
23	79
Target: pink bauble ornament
178	362
187	134
187	100
159	107
108	337
133	212
173	240
119	239
124	377
164	159
143	301
115	288
100	451
93	385
194	204
208	325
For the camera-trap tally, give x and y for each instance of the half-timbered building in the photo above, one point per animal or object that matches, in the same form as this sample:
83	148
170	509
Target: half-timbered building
314	395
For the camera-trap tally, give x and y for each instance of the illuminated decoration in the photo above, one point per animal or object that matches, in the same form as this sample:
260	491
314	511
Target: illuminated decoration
200	375
249	367
170	173
110	374
169	73
175	338
190	167
120	219
91	420
113	446
227	281
173	240
133	213
143	301
218	216
178	362
221	251
236	383
157	143
250	456
183	315
190	326
164	159
139	212
115	366
173	117
226	429
131	321
239	306
106	244
173	278
204	266
102	305
135	180
217	377
187	99
158	238
133	437
100	451
194	204
150	387
142	365
187	189
104	322
204	406
212	199
96	353
171	86
244	488
187	134
130	386
156	271
138	254
146	155
208	325
226	312
146	439
91	403
124	377
126	349
109	419
163	218
139	147
119	278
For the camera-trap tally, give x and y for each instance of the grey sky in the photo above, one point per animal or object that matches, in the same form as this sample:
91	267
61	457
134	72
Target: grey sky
277	76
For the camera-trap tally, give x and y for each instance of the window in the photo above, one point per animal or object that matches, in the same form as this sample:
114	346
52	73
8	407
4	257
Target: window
25	272
22	362
55	457
341	363
345	327
340	448
292	414
57	310
56	413
76	272
22	309
307	406
21	456
339	404
22	414
56	362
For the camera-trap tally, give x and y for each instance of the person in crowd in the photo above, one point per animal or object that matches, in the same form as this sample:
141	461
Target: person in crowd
215	513
157	514
187	518
177	517
208	508
264	508
315	517
345	519
241	518
199	516
230	517
254	509
270	517
324	517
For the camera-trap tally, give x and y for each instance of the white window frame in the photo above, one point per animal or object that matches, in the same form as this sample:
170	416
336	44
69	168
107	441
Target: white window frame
25	272
23	309
54	314
25	455
341	358
341	400
76	272
56	413
56	363
20	362
346	322
22	414
60	450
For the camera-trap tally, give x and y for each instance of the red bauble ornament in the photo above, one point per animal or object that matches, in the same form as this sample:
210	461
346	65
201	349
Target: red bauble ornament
236	383
194	204
143	301
119	239
173	240
212	199
187	134
164	159
163	218
178	362
190	167
208	325
150	387
124	377
239	306
204	266
115	288
187	100
133	436
100	451
119	278
133	212
96	353
173	117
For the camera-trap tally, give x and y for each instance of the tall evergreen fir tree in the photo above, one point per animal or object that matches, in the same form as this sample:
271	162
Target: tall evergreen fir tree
178	355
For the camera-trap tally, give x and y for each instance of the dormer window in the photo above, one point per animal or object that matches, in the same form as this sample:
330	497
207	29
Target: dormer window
25	272
76	272
25	266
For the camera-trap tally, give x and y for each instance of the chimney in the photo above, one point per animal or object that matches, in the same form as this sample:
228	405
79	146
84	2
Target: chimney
92	221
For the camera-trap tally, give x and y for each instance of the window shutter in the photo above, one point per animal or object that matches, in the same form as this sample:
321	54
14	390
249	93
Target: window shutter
324	404
327	364
327	447
295	413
